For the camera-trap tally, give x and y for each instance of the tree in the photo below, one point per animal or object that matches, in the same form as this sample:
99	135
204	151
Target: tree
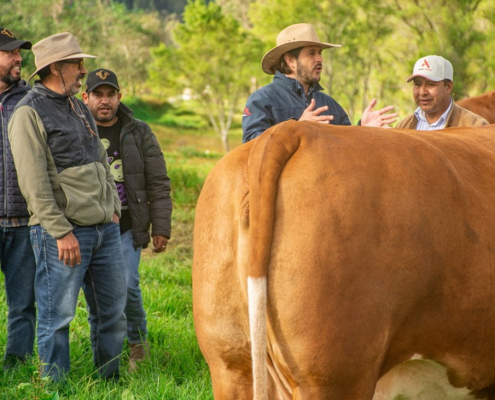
238	9
120	38
456	30
214	57
381	41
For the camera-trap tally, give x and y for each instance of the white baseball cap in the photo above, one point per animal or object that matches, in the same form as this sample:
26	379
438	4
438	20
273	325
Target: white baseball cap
433	68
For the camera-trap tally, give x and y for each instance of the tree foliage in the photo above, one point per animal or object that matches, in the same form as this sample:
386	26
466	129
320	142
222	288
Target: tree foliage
215	47
383	38
214	57
164	7
119	38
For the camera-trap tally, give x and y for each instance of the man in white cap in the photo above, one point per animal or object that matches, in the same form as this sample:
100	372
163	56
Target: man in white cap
433	81
295	93
71	195
16	254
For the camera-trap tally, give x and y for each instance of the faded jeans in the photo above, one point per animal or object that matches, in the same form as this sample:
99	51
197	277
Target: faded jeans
134	310
101	276
19	268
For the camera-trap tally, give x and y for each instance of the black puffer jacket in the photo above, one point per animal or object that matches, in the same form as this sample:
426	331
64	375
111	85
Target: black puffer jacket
12	203
147	184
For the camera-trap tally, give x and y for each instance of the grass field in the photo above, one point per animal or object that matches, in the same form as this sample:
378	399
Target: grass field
175	369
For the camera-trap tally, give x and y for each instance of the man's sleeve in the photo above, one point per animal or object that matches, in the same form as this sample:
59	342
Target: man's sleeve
28	138
256	118
336	109
344	120
157	185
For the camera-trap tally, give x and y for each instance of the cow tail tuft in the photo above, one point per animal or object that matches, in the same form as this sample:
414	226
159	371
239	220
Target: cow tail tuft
257	328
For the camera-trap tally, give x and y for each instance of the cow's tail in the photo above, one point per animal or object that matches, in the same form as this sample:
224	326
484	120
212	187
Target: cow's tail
267	159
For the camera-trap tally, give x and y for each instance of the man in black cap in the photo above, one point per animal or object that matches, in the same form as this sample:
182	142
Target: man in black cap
16	254
140	173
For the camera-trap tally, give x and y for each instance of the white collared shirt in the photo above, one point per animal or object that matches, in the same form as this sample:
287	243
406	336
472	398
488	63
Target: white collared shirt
424	125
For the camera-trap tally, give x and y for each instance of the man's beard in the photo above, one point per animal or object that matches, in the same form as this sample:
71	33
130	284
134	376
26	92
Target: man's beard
9	79
304	74
105	119
73	89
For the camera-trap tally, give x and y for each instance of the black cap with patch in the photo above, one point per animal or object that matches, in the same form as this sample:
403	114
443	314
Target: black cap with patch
100	77
9	42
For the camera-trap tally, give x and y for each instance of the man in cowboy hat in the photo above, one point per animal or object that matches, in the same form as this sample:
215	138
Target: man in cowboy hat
295	92
433	81
137	163
16	254
65	177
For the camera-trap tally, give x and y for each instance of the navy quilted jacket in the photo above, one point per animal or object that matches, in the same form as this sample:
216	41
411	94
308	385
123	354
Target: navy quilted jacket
12	203
284	99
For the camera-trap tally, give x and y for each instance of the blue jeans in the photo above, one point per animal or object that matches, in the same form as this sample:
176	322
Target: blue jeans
19	268
134	310
101	276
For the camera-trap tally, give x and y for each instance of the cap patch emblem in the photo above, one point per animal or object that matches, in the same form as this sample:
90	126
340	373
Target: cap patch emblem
7	33
102	74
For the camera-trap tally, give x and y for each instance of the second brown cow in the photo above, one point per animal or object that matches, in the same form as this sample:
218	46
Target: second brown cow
483	105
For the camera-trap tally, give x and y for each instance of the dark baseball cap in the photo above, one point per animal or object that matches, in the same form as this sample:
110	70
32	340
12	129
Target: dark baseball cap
9	42
100	77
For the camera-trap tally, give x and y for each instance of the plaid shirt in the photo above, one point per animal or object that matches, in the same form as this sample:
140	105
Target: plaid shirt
13	222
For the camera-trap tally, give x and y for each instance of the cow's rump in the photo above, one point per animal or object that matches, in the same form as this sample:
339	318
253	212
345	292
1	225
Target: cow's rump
375	245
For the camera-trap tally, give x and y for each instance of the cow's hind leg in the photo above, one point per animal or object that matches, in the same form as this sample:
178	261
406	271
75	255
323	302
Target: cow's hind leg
228	384
236	381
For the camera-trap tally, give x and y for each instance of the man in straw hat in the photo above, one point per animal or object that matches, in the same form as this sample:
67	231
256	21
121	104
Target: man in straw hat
16	254
295	92
71	195
433	81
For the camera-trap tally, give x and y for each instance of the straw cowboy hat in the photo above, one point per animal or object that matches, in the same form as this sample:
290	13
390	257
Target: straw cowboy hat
292	37
59	47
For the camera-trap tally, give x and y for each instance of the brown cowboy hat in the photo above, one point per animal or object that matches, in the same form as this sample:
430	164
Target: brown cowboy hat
292	37
59	47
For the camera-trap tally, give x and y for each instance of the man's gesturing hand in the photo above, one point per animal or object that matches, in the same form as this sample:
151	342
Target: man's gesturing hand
310	114
379	117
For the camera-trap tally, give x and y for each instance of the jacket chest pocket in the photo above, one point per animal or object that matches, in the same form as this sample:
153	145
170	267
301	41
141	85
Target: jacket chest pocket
139	197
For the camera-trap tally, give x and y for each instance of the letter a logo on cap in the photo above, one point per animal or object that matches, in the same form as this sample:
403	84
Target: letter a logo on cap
425	64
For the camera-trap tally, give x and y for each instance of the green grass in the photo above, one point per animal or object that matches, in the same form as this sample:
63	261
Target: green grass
175	369
164	113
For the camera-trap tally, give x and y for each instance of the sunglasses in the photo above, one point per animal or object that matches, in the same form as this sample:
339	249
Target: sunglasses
80	63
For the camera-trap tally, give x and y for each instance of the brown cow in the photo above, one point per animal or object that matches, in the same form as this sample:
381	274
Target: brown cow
327	255
483	105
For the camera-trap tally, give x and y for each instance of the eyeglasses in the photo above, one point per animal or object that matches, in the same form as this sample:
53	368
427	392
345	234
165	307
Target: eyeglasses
80	63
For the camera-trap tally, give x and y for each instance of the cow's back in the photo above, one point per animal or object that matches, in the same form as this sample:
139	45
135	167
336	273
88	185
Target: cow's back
380	249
